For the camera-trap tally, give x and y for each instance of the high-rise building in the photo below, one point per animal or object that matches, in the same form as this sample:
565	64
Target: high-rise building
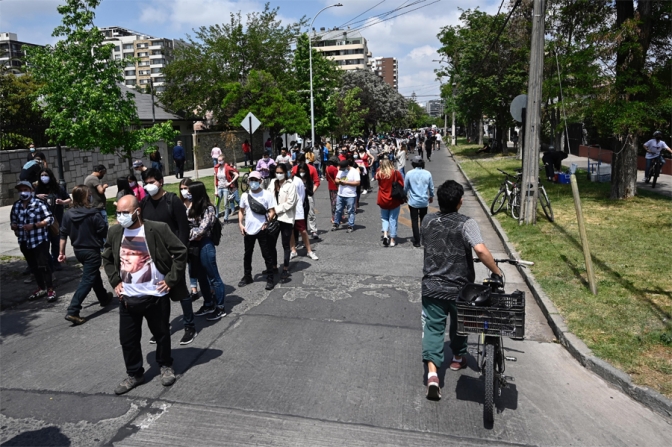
434	107
151	54
388	69
13	52
347	48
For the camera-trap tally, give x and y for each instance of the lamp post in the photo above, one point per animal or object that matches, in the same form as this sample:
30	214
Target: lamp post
310	58
452	135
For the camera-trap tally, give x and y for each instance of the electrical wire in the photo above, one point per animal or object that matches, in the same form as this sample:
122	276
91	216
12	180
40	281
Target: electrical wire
385	14
346	23
398	15
487	53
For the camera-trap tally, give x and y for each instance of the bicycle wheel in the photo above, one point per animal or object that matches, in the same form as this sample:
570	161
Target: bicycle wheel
489	403
243	184
498	203
656	173
546	204
514	203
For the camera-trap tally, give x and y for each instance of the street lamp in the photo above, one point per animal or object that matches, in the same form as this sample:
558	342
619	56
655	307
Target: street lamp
310	57
452	135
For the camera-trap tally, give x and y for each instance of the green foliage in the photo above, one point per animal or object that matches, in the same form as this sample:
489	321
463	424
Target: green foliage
20	122
348	112
262	95
200	77
80	88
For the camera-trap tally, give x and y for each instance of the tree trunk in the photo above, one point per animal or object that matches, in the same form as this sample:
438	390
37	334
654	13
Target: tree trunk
480	131
624	169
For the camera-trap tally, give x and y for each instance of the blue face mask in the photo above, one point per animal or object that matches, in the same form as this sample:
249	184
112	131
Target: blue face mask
255	185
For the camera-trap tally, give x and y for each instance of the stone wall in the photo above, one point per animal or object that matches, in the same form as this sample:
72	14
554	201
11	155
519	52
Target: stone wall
231	144
76	166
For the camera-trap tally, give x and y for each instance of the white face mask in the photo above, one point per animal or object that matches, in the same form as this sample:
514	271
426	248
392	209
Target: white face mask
254	185
185	194
280	176
25	195
151	189
125	220
45	179
132	184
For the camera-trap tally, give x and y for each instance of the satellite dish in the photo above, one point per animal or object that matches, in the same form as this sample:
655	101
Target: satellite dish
517	106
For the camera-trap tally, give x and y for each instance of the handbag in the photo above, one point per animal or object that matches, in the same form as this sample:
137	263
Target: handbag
194	250
54	228
398	192
272	225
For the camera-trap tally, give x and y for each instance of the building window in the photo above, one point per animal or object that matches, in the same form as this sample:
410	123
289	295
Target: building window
129	82
143	64
156	70
143	54
144	81
156	52
130	73
128	46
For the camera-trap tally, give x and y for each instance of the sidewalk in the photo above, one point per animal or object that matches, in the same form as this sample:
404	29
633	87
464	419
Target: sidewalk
663	185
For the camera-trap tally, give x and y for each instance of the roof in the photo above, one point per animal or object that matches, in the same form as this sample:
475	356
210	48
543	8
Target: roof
143	104
337	34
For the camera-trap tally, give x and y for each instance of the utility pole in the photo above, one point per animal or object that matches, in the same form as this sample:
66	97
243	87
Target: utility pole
528	214
453	137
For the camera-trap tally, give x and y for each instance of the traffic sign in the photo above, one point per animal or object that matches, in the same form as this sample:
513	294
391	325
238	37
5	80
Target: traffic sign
250	123
517	106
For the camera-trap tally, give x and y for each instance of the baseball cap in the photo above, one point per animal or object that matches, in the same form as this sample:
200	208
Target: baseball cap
255	174
417	159
24	183
138	163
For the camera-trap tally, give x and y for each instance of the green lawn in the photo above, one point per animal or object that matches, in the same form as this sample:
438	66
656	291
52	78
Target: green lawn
629	322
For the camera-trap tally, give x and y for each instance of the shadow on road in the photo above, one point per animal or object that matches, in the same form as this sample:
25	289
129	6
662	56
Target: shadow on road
183	360
472	389
48	436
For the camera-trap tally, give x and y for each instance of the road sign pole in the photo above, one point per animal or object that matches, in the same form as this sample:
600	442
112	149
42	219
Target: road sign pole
251	139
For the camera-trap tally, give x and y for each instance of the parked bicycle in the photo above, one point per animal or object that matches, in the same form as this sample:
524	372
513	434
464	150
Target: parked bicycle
485	309
506	190
510	192
244	184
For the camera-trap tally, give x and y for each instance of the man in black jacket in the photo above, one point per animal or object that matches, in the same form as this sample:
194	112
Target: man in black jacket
87	231
163	206
133	249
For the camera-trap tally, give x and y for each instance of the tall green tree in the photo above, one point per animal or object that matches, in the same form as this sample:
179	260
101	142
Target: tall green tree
348	112
80	90
198	79
326	81
20	123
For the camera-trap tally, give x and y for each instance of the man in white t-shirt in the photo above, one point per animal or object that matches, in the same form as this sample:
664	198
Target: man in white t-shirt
145	263
252	226
653	149
348	180
215	153
284	158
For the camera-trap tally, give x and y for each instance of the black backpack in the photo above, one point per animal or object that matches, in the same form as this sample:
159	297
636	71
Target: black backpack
30	171
216	232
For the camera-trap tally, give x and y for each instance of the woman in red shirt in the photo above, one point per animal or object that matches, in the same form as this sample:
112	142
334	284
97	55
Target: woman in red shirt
389	207
331	174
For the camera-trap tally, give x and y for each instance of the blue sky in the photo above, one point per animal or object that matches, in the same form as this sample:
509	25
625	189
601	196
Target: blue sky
410	38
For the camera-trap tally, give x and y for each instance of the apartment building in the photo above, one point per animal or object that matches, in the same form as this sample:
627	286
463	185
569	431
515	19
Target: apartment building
434	107
388	69
347	48
147	55
13	52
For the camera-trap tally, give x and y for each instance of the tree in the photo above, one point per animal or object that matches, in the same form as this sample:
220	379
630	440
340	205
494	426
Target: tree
20	123
348	112
384	104
326	80
198	79
80	90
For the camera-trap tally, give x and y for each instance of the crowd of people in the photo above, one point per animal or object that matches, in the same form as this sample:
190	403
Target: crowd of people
162	238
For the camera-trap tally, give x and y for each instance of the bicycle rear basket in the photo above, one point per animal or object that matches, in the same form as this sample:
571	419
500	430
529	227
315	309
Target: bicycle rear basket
505	316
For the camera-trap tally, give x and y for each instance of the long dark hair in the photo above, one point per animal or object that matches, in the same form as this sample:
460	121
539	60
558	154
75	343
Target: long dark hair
283	168
49	188
123	185
307	179
185	182
199	200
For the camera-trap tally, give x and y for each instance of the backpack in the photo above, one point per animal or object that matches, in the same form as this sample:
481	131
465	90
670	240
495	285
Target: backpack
216	232
30	171
398	192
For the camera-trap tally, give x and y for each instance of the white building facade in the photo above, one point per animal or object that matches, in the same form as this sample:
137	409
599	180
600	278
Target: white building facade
347	48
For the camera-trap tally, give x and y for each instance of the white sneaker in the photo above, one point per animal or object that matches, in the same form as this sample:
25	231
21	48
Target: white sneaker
364	191
313	256
293	255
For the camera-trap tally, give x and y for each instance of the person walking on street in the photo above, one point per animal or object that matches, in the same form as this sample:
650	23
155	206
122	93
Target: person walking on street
315	178
98	188
86	229
186	197
247	152
303	184
155	158
255	206
449	238
387	176
202	252
331	173
265	166
268	147
226	186
215	153
419	188
286	201
283	158
56	198
179	157
400	161
30	220
163	206
347	180
145	263
428	146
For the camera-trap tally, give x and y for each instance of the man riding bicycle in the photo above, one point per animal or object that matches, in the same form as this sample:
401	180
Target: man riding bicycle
653	149
449	238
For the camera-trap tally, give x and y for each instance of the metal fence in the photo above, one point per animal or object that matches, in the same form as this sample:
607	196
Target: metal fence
19	136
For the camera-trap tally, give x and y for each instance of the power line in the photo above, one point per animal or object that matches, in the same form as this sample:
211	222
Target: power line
487	53
392	11
399	15
377	4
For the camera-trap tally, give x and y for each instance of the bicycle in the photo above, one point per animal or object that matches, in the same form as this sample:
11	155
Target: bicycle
656	167
244	184
488	311
505	190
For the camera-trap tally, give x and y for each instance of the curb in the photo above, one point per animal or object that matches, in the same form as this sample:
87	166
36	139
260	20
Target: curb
576	347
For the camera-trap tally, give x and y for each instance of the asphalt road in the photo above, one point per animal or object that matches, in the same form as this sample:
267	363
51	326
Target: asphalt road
330	359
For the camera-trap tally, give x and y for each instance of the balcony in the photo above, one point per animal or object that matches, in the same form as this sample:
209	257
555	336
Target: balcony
156	56
156	47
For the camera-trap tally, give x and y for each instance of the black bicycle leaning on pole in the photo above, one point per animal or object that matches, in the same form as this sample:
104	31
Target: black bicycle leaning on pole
488	311
509	191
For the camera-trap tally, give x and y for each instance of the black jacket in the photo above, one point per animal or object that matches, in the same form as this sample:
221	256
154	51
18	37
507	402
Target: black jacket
85	227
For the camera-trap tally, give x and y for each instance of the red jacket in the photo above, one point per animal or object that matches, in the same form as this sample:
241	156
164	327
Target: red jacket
385	200
246	148
332	173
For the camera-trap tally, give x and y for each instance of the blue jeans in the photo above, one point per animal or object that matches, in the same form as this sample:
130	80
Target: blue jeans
229	199
103	213
390	219
187	312
374	168
248	157
214	161
402	171
208	274
349	204
90	259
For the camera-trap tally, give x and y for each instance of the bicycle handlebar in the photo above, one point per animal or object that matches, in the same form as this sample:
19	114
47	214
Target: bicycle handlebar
511	261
